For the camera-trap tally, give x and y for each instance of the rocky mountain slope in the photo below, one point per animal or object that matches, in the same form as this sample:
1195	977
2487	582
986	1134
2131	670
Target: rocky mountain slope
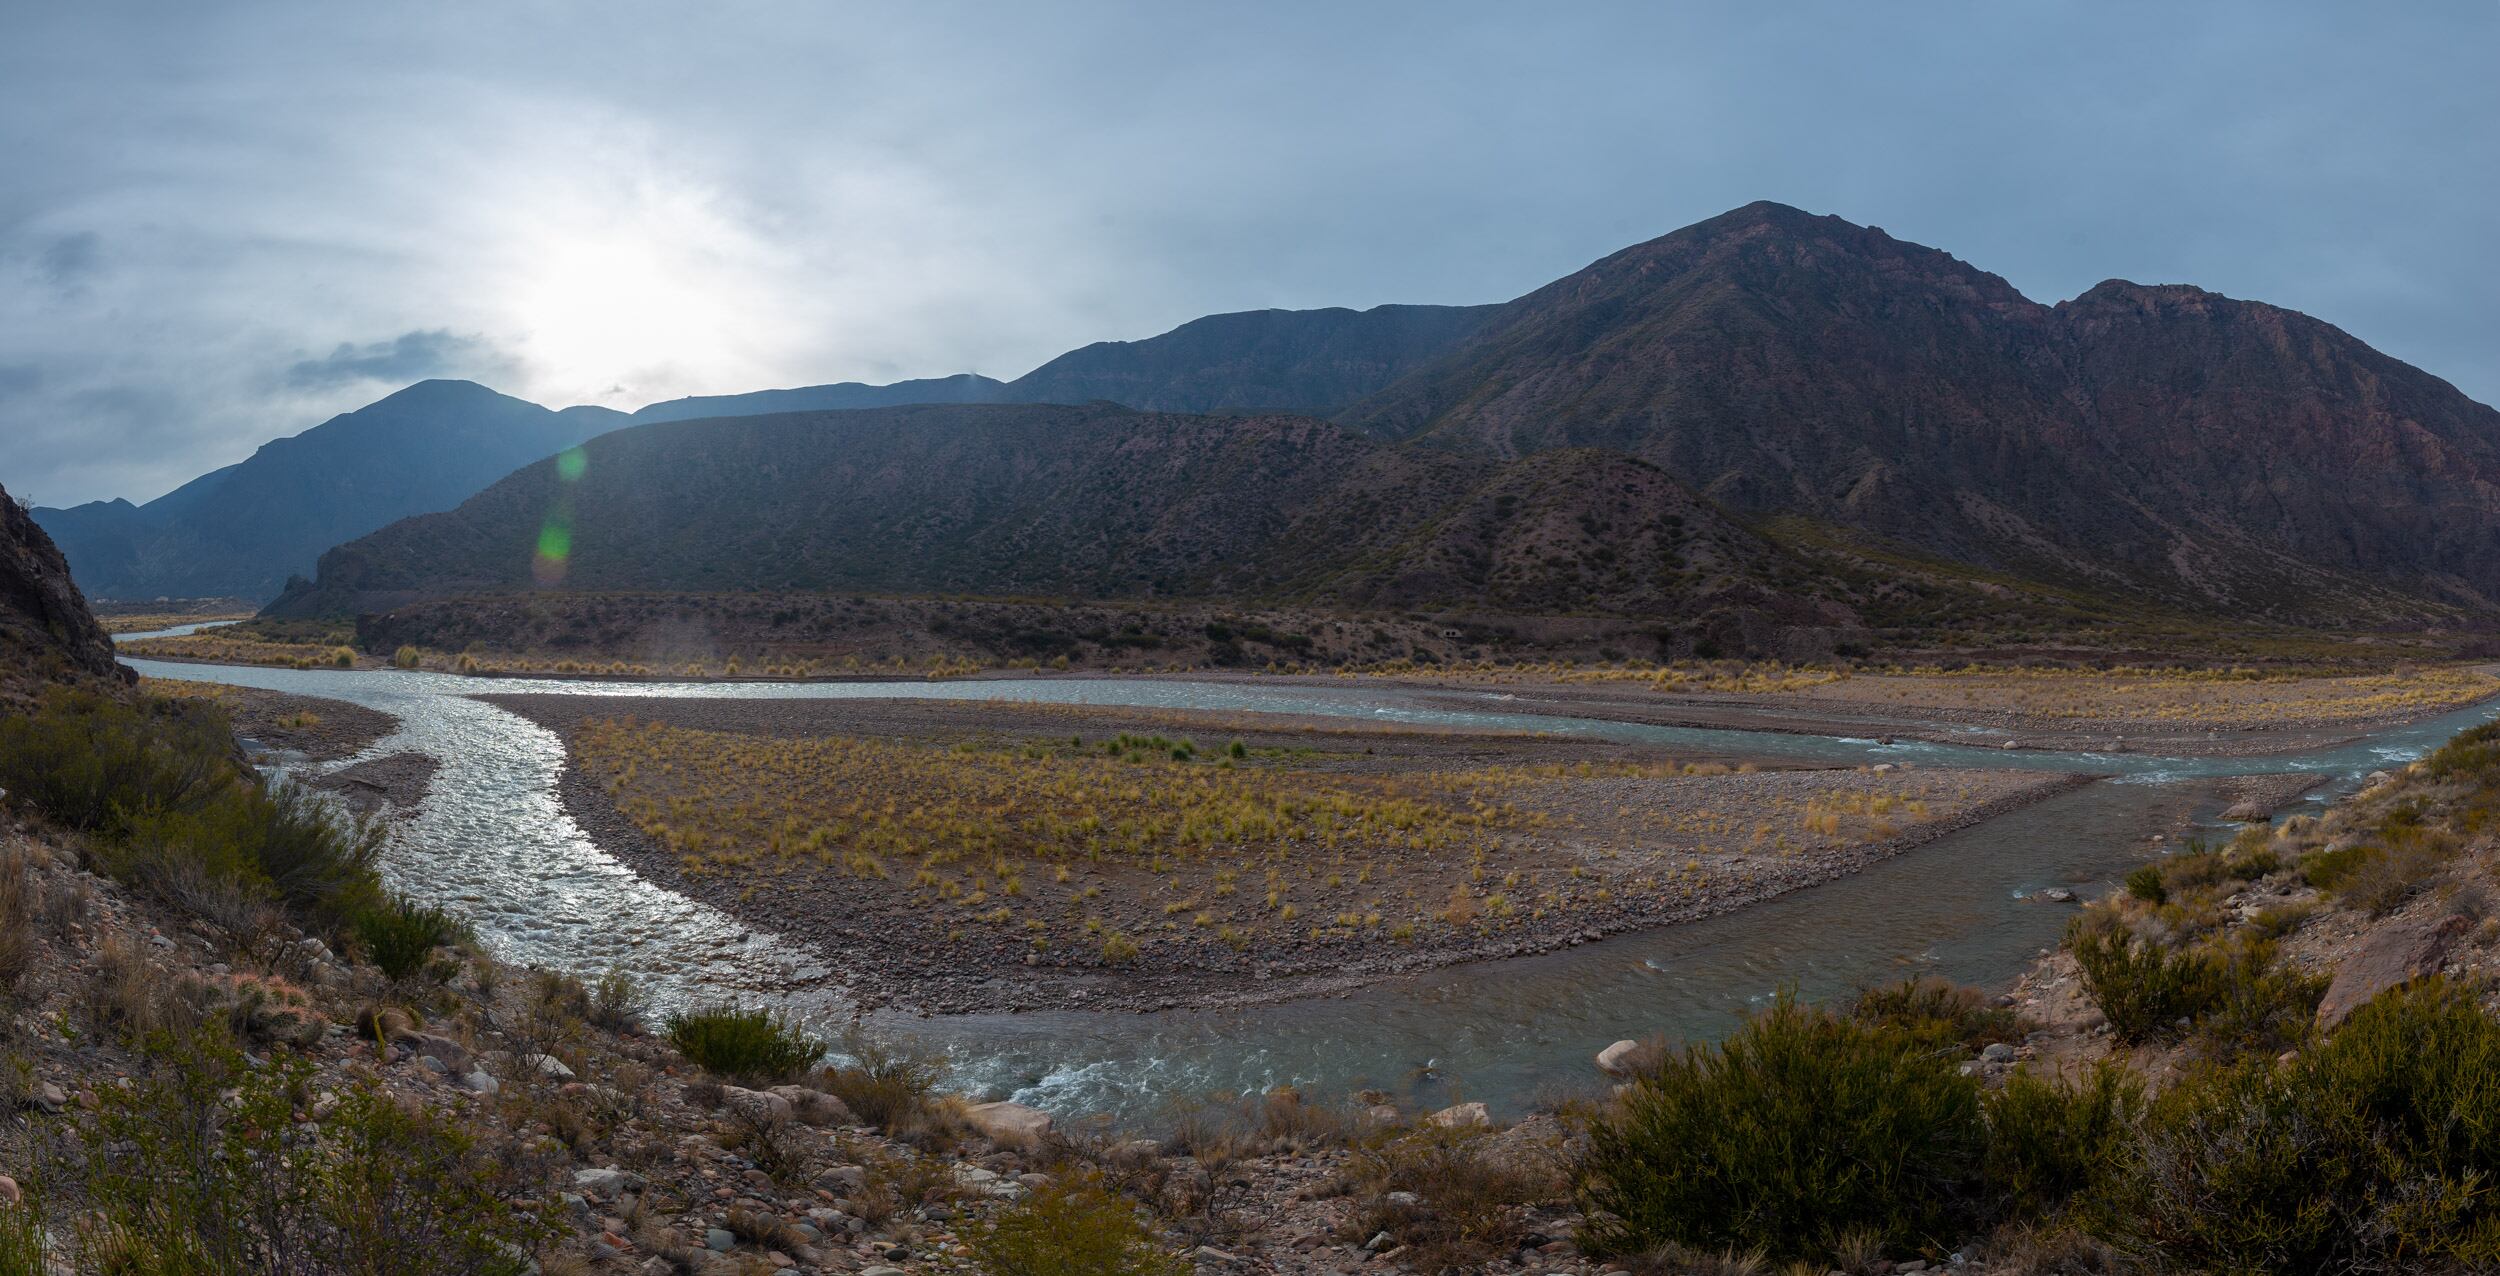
2222	454
1091	502
1305	361
46	631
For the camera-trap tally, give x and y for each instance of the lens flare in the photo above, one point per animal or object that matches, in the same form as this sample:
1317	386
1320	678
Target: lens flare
555	536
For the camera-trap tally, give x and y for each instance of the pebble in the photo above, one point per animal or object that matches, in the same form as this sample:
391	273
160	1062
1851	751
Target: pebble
1998	1052
8	1190
719	1239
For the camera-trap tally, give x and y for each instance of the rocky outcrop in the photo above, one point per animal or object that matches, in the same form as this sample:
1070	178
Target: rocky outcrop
2395	955
46	631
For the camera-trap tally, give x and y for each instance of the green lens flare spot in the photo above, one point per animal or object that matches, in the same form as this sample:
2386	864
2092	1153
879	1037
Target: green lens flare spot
571	462
555	543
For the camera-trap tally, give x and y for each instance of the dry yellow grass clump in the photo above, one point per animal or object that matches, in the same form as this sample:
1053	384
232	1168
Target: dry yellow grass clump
2186	696
140	624
722	799
217	649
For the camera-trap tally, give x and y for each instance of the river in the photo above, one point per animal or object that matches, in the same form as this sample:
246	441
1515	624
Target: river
493	841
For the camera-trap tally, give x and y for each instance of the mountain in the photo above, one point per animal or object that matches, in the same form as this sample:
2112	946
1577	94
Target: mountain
1092	501
2218	453
46	631
962	388
1302	361
243	530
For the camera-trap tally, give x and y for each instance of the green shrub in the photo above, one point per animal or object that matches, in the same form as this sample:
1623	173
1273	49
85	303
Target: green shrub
1451	1197
400	935
2386	876
2146	884
2049	1140
2375	1151
2257	1005
2327	869
1800	1131
884	1082
2143	989
204	1169
407	658
755	1047
273	840
1937	1010
1072	1227
94	763
25	1248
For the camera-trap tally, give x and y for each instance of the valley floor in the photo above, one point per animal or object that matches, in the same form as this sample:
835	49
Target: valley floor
1281	858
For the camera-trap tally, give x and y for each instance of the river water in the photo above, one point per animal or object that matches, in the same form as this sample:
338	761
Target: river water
492	840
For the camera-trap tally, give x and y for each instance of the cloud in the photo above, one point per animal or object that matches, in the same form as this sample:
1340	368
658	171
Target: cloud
410	356
69	261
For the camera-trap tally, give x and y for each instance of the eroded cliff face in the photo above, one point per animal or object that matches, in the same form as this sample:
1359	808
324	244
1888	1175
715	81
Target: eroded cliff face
46	632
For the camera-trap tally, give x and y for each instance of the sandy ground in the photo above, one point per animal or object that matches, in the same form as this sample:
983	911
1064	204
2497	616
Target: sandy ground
1616	850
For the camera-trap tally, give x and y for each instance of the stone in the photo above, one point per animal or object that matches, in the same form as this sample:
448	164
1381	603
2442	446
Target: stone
480	1083
884	1271
1382	1114
549	1066
2058	895
9	1195
607	1182
1009	1124
815	1107
1618	1059
1462	1116
443	1050
2249	812
50	1098
1998	1052
2397	954
755	1105
719	1240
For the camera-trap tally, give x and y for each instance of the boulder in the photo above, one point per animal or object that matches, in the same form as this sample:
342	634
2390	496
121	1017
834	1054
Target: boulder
2248	812
1620	1059
9	1195
814	1106
443	1050
755	1105
2397	954
1009	1124
606	1183
1462	1116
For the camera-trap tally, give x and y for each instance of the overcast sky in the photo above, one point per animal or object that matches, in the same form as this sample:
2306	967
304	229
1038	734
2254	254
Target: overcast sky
221	223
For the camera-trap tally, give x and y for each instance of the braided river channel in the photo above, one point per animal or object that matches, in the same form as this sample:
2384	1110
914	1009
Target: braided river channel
492	841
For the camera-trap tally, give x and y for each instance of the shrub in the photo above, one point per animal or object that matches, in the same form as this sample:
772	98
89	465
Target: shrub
615	1003
2374	1151
17	918
2386	876
400	936
407	658
1469	1199
1072	1228
2258	1005
2326	869
343	657
93	763
2049	1139
884	1082
1801	1129
273	841
2146	884
1937	1010
752	1046
2142	988
25	1247
203	1168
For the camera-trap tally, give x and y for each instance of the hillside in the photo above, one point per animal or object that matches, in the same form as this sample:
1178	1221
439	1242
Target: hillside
1302	361
46	631
244	529
2134	439
1092	502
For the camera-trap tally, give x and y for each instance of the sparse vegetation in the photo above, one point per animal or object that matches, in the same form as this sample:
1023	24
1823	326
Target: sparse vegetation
751	1046
1073	1227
